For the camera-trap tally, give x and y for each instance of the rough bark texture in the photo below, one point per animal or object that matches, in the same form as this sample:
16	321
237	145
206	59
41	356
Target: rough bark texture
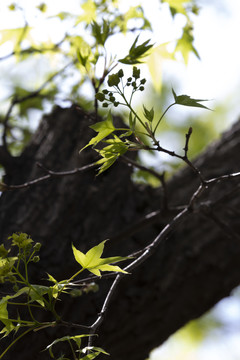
196	266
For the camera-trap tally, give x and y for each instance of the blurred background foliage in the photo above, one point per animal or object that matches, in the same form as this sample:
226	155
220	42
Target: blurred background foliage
58	53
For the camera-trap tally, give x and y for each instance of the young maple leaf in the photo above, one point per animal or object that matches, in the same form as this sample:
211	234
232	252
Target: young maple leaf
93	262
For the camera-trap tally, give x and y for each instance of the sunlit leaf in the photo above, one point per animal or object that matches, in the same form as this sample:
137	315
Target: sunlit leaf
155	62
185	44
3	251
4	318
6	265
76	338
134	12
64	15
111	153
51	278
177	6
22	240
104	128
92	352
14	35
136	52
93	262
89	12
101	32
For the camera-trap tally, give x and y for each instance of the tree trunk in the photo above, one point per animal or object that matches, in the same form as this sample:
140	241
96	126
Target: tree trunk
192	269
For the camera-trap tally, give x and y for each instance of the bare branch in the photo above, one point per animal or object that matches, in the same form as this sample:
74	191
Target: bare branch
222	178
147	251
49	175
188	135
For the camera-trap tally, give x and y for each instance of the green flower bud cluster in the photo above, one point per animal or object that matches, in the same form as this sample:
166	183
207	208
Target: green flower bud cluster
108	97
135	80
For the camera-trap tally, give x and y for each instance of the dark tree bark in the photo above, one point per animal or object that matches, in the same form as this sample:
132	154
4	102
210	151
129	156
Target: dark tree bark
192	269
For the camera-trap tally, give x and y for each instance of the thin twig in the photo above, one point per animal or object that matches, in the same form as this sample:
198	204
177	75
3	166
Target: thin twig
222	177
129	161
107	300
188	135
162	235
72	325
147	251
49	175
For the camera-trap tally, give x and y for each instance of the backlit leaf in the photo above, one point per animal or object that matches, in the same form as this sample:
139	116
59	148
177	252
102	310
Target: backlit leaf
104	128
111	153
93	262
76	338
185	44
136	53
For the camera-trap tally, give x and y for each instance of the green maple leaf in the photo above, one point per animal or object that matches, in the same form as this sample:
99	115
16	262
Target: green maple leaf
103	128
93	262
186	100
136	52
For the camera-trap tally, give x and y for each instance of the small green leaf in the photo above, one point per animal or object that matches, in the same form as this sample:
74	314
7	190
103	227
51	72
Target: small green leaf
22	240
136	53
94	254
79	256
6	265
3	252
36	293
177	6
101	32
90	12
4	318
132	122
149	114
104	128
76	338
185	44
51	278
186	100
111	153
93	352
108	268
93	262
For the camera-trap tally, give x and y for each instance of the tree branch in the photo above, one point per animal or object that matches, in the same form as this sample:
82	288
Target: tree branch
49	175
